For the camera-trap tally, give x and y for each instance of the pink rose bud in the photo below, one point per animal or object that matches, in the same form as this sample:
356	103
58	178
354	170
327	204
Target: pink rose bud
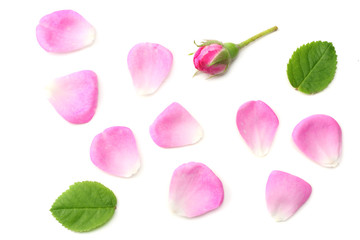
206	59
214	57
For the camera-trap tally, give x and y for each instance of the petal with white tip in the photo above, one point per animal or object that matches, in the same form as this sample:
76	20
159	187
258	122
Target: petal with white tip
64	31
195	190
75	96
175	127
319	137
115	152
285	194
149	65
257	124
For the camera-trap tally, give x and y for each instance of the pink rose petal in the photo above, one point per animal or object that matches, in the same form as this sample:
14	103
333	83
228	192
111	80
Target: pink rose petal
175	127
149	65
64	31
75	96
285	194
195	190
257	124
115	152
319	138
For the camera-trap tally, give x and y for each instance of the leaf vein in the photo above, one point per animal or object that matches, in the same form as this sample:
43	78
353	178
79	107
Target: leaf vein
314	66
75	208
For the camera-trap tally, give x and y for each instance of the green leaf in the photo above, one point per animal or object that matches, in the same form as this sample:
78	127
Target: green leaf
84	206
312	67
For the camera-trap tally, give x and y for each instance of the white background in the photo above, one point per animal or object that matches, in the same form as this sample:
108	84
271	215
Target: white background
42	155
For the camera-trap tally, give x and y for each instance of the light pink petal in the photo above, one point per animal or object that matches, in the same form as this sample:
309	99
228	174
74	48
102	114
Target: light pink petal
257	124
64	31
149	65
75	96
195	190
175	127
319	138
115	152
285	194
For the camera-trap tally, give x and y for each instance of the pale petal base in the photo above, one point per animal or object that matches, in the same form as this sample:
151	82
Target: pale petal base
149	65
195	190
319	137
175	127
64	31
257	124
115	152
285	194
75	96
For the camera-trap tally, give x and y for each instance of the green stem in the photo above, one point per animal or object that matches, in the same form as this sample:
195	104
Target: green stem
259	35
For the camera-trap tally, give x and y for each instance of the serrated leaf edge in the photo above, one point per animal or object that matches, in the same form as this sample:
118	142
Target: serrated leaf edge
306	45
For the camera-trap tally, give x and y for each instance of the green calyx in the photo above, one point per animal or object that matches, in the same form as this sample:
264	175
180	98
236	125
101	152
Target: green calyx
232	48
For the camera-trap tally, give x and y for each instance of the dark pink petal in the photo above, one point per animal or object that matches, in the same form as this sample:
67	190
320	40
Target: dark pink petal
285	194
75	96
319	137
64	31
257	124
115	152
196	59
149	65
195	190
175	127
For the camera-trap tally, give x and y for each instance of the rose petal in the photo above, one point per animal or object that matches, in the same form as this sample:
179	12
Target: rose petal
319	138
64	31
195	190
175	127
75	96
115	152
149	65
285	194
257	124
